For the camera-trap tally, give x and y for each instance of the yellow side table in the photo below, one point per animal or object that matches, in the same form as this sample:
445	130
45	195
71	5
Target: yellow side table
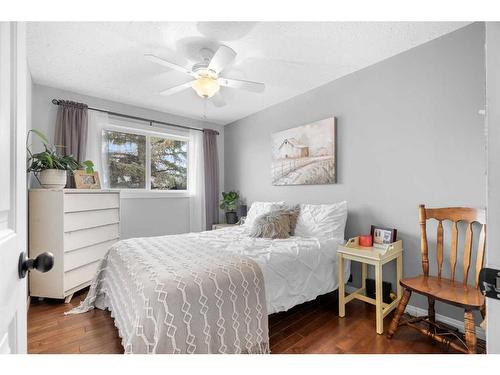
376	257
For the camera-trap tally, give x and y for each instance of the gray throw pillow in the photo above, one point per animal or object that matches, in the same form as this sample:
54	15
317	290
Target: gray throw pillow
274	224
293	215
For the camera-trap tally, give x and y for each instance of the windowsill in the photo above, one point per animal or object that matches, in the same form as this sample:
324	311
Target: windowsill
145	194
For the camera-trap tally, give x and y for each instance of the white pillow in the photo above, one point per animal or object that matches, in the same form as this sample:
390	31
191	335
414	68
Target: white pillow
323	221
259	208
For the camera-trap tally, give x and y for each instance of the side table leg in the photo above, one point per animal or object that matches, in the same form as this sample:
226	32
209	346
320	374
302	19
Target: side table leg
364	273
341	286
399	275
378	299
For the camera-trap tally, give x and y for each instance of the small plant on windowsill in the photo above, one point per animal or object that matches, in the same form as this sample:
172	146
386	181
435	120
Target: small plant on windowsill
229	203
50	168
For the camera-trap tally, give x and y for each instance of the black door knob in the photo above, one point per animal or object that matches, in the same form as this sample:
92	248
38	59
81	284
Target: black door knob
43	263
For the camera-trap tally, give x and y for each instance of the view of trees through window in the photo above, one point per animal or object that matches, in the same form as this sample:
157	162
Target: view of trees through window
126	156
168	164
126	161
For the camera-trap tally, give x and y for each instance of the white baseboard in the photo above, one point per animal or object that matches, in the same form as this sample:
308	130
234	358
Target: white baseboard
417	311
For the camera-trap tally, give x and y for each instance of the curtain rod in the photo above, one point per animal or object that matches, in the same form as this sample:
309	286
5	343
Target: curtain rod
151	122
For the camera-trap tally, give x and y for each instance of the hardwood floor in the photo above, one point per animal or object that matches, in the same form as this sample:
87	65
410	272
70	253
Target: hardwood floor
312	327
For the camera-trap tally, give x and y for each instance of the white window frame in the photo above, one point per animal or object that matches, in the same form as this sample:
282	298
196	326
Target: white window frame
132	127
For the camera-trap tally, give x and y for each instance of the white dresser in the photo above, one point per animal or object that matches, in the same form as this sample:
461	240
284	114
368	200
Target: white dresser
78	227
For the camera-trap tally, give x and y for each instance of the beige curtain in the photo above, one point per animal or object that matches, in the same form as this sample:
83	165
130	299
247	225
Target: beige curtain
211	166
71	129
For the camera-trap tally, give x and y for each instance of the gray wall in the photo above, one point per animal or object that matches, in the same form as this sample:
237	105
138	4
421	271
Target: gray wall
140	216
493	124
408	132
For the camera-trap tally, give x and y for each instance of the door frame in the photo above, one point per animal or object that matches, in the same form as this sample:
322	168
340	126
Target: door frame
492	56
21	188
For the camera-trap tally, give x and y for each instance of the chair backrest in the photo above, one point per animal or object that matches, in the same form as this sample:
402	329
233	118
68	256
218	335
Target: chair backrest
455	215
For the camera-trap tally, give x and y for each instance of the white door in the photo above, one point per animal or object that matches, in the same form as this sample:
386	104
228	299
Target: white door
13	111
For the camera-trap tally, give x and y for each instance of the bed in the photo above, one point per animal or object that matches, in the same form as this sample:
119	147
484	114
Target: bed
208	292
296	269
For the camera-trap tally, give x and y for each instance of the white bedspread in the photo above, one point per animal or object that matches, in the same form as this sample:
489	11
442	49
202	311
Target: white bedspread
296	269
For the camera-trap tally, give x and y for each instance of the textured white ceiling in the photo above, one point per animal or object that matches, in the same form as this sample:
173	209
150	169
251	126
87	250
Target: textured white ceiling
106	59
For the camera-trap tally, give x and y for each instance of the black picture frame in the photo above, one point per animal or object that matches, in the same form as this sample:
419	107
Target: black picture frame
391	238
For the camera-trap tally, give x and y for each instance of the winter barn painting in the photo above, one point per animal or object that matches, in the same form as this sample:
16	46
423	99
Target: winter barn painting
305	155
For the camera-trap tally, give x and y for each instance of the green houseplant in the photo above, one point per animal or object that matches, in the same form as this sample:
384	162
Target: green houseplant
50	168
229	203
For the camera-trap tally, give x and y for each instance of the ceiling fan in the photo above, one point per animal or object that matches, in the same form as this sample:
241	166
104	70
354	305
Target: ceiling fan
207	80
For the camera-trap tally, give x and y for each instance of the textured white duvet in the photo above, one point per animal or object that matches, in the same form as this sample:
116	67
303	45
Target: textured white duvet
296	269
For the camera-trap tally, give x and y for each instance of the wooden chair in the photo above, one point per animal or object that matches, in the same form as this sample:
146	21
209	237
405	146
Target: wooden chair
442	289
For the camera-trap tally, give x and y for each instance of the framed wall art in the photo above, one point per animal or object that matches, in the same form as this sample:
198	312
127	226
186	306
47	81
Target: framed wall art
305	155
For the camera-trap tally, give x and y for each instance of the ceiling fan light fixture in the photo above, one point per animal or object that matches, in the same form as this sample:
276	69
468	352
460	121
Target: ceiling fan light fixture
206	87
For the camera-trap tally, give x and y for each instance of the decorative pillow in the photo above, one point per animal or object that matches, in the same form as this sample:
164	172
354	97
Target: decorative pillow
259	208
322	220
274	224
293	215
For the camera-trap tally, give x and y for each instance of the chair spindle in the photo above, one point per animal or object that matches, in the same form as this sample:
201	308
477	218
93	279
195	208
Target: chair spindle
467	251
440	247
454	246
423	240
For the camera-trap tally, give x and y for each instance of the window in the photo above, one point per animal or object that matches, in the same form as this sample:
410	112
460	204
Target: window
145	160
168	164
126	159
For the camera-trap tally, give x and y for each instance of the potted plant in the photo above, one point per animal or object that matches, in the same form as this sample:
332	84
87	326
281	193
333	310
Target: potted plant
229	203
50	168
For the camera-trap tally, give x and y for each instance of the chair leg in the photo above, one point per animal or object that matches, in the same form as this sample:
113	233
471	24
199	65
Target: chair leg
431	311
399	313
470	332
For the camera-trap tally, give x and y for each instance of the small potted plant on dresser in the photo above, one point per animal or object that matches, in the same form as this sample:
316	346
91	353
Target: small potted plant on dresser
229	203
50	168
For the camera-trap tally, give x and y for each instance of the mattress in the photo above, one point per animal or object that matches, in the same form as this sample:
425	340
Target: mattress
296	269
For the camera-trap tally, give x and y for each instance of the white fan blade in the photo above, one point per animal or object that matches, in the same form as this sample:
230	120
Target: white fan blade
168	64
218	100
222	58
240	84
176	89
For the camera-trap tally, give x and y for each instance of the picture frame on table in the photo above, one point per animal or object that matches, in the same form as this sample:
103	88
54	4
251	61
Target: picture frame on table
84	180
383	236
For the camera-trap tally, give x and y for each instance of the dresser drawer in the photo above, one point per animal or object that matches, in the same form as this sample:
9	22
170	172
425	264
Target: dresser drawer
90	201
90	219
86	255
80	275
91	236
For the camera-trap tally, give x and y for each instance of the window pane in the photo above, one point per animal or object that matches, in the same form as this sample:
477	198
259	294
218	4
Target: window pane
126	156
168	164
